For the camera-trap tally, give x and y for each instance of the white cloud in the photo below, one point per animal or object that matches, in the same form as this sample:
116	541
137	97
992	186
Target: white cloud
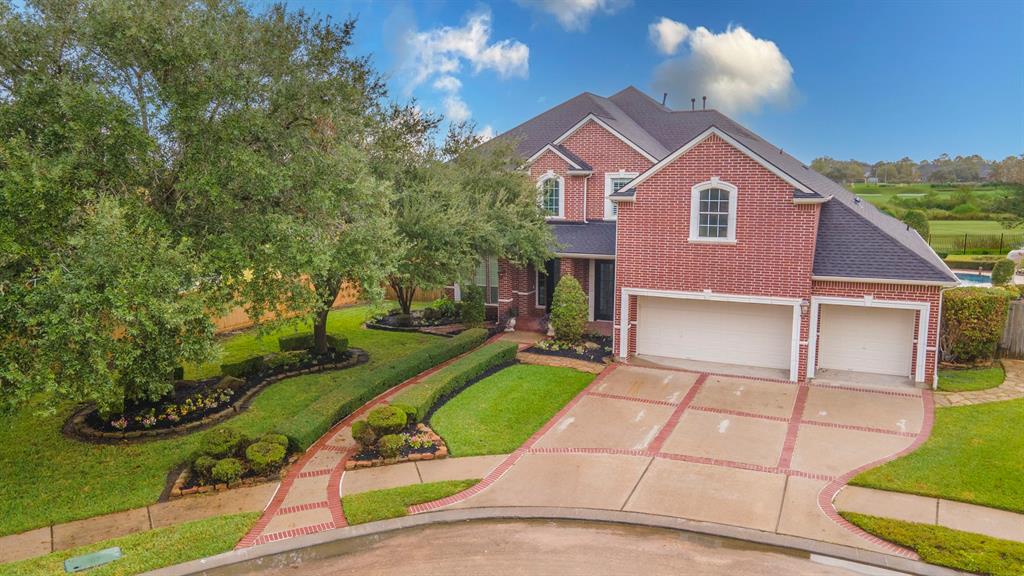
456	109
667	34
736	71
486	133
448	84
575	15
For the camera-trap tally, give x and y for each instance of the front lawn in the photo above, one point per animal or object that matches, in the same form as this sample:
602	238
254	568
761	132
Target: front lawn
969	379
497	414
973	455
945	547
145	551
392	502
46	478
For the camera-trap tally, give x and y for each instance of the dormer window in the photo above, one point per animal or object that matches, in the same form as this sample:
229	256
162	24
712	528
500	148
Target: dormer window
713	212
552	195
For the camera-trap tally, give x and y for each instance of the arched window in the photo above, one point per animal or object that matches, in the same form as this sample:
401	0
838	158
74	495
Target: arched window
551	195
713	212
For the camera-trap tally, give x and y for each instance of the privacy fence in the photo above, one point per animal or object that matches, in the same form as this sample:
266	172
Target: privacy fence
1012	343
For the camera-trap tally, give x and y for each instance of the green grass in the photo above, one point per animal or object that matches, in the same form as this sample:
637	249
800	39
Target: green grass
971	378
938	227
148	550
497	414
945	547
392	502
46	478
973	455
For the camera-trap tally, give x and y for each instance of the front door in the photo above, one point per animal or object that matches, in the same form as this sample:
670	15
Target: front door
551	270
604	289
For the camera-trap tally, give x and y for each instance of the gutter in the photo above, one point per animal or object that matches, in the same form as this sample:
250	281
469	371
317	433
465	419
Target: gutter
949	284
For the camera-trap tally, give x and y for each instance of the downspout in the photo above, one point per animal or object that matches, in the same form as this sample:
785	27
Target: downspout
585	180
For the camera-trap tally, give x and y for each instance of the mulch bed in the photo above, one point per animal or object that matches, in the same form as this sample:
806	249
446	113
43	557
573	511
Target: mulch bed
211	403
186	483
371	458
592	349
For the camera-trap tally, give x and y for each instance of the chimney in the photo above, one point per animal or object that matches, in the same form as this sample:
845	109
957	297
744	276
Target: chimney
664	97
704	103
693	104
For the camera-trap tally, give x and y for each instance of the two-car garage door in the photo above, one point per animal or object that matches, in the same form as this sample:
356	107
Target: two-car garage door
715	331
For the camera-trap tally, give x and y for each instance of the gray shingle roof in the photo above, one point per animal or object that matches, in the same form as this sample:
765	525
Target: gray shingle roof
572	157
855	239
595	237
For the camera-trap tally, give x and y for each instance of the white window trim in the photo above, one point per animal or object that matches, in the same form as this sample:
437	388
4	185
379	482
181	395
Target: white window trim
608	204
561	193
922	308
626	324
536	300
695	211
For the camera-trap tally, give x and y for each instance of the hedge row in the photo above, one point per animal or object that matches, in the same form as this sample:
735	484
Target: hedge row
972	323
426	394
316	419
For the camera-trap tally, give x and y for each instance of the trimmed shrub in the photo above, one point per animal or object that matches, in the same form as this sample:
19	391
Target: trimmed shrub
337	343
1002	272
203	467
387	420
390	446
403	320
410	412
569	310
918	221
473	310
972	323
445	307
968	262
311	424
363	434
425	395
226	470
243	368
278	360
279	439
300	341
264	457
221	442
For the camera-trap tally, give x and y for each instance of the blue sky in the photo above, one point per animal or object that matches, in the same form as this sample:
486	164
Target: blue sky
870	81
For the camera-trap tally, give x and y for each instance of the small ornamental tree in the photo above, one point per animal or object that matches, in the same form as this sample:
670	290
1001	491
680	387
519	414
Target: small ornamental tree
972	324
1002	272
473	310
569	310
918	221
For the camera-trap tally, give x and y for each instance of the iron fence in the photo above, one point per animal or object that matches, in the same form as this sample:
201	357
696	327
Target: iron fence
965	243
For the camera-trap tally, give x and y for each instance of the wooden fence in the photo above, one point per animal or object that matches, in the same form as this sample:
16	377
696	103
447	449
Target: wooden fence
420	296
1012	343
238	319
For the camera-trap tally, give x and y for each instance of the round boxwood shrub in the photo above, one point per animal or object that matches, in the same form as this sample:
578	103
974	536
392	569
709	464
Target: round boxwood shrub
1002	272
387	420
227	470
390	446
410	412
279	439
221	442
972	323
203	467
265	457
569	310
363	434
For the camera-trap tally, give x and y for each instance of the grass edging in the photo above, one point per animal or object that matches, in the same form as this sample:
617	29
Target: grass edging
149	550
394	502
947	547
429	392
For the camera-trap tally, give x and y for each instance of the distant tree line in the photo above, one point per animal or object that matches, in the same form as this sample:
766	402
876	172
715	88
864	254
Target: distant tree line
944	169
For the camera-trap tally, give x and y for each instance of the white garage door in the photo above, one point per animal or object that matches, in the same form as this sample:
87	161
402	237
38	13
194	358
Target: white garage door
861	339
710	331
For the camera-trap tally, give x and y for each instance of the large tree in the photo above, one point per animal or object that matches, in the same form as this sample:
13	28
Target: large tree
217	153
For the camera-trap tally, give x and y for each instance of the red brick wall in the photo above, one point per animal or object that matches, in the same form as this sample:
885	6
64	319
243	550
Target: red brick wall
929	294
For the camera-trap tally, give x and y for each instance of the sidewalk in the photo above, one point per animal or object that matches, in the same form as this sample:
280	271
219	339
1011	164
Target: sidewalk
926	510
1011	388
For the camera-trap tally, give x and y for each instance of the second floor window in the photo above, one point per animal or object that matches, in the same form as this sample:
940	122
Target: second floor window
614	181
551	196
713	212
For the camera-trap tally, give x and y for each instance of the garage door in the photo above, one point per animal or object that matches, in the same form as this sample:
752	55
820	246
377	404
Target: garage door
709	331
861	339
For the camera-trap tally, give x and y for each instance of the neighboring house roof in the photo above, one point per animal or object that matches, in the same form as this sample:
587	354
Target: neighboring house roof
596	238
659	131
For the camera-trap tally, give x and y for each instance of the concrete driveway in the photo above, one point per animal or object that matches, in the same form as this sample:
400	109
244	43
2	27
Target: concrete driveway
759	454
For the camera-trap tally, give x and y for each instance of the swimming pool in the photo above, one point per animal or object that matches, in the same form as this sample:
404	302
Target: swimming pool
969	279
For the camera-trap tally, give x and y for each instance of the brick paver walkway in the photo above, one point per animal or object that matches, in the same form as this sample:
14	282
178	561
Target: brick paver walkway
309	499
1011	389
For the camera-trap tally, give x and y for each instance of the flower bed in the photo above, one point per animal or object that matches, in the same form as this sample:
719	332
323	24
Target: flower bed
590	349
227	459
419	442
390	435
200	404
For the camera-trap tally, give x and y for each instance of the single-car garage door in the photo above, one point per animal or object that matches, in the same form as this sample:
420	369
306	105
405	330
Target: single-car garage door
713	331
862	339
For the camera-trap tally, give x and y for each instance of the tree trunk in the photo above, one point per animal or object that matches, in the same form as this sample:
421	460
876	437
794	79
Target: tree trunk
404	295
327	289
320	331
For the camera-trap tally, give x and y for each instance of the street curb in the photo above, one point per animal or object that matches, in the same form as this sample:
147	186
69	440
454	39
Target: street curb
289	552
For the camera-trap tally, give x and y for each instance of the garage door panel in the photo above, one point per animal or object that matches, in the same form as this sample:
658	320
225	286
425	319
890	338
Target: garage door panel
865	339
712	331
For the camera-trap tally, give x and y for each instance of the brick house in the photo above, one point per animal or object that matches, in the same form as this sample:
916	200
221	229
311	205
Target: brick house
703	246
